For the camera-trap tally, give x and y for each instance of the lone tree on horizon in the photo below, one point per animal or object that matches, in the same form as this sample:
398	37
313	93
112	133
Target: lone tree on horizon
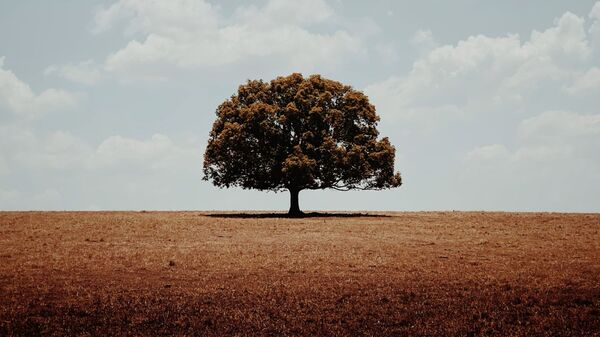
298	133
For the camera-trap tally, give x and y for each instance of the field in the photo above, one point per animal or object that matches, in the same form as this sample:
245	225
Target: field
377	274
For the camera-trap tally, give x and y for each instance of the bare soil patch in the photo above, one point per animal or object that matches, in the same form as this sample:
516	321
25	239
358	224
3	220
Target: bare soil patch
376	274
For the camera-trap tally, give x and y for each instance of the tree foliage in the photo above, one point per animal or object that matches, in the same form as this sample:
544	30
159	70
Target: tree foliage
298	133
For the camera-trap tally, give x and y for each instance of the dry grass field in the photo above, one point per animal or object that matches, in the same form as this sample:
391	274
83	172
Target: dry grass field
196	273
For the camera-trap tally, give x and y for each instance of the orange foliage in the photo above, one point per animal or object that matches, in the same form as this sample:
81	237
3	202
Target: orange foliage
299	133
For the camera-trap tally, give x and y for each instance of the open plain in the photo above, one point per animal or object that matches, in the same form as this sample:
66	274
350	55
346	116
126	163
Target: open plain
376	274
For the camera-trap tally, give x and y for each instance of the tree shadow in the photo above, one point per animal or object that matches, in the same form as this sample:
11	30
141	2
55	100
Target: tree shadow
287	216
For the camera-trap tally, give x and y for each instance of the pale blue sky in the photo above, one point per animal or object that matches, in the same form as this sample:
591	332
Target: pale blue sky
491	105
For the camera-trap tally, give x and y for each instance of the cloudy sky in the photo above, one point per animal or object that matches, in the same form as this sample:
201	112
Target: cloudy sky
492	105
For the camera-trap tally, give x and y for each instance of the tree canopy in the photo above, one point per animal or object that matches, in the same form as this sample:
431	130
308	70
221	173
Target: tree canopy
295	133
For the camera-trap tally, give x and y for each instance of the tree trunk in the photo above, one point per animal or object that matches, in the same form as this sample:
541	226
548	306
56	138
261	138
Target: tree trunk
294	207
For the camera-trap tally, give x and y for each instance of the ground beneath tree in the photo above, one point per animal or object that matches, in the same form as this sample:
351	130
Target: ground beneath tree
195	273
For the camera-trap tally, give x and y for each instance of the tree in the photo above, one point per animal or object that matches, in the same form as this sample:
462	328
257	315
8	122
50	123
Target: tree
298	133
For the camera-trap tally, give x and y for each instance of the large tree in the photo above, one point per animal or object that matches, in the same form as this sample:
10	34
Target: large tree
298	133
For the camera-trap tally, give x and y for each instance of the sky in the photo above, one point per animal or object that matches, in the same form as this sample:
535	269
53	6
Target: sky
491	105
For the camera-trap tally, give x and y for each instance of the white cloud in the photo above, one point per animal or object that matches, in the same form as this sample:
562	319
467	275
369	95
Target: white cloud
59	150
163	17
595	12
386	52
566	40
60	166
423	41
559	127
553	166
487	153
456	100
481	73
229	45
448	76
117	148
192	34
588	82
62	151
157	153
86	72
526	159
277	13
521	113
18	97
16	138
594	29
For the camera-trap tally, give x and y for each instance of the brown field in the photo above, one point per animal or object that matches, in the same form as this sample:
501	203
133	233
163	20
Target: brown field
196	273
